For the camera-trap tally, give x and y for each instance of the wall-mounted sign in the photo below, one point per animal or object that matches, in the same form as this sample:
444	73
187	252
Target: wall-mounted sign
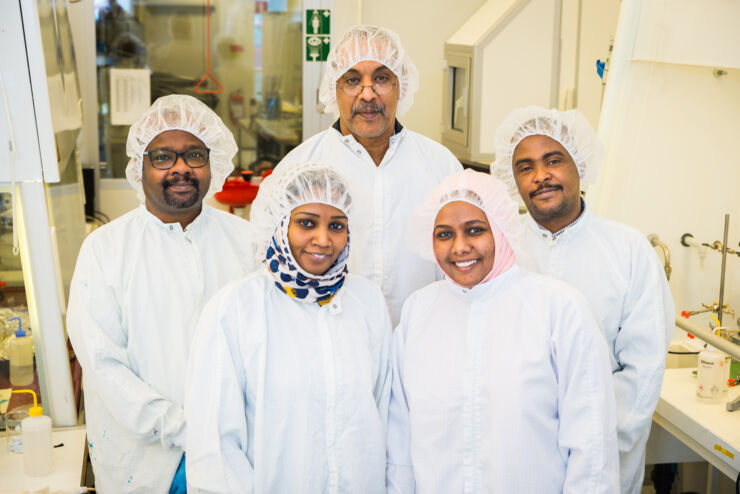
318	34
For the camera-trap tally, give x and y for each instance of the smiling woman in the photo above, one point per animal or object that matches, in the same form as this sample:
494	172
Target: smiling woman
524	363
463	243
305	347
317	234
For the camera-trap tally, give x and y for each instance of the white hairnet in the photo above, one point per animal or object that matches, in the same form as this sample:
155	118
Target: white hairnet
479	189
570	128
181	112
362	43
291	186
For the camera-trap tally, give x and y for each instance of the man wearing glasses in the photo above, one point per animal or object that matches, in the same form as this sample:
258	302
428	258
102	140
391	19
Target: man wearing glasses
138	289
369	79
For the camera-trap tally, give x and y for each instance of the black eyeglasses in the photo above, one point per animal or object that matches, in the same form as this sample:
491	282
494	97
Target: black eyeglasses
164	159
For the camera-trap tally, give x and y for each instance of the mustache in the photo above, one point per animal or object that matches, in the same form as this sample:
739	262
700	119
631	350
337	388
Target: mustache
368	106
178	179
543	188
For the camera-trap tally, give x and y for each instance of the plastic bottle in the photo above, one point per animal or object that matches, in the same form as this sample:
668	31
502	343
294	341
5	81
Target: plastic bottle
710	376
20	353
38	452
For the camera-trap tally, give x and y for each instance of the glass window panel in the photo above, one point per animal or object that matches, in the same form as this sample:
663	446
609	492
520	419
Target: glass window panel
459	99
255	54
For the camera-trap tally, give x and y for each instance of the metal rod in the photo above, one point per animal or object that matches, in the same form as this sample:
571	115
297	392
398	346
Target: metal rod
729	348
722	272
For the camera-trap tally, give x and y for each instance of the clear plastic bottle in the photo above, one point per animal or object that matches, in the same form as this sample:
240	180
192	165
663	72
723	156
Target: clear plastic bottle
20	354
710	376
38	452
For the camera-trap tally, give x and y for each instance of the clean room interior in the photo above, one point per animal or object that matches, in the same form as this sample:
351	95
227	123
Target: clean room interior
659	80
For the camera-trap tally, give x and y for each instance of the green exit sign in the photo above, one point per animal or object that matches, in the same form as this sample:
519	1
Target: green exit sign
318	34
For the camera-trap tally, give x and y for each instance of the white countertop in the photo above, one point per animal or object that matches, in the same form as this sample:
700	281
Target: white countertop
68	464
710	430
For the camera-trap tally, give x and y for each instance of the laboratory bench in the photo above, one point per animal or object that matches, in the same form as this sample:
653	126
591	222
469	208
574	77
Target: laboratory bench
686	430
69	464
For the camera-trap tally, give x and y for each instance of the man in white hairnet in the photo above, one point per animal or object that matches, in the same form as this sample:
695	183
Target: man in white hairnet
544	154
369	79
138	289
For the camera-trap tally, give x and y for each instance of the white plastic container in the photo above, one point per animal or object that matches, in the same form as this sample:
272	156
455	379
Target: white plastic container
20	354
38	451
710	376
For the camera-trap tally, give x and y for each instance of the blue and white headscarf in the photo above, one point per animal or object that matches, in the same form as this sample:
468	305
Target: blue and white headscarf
291	186
293	280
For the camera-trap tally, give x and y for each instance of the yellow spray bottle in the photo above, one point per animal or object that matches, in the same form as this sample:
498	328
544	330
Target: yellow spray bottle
38	452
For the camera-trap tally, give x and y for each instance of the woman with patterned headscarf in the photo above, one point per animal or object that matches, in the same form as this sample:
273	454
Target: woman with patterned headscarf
290	370
501	380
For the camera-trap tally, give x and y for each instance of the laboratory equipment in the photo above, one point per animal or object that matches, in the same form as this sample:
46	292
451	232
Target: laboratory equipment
20	353
201	88
13	426
687	240
38	455
708	336
733	405
507	55
711	376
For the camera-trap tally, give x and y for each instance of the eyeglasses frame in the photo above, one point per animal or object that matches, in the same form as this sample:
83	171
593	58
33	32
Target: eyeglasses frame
371	86
178	155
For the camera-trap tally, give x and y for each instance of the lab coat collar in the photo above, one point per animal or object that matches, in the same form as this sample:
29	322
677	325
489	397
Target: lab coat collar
566	233
335	306
485	290
195	225
358	149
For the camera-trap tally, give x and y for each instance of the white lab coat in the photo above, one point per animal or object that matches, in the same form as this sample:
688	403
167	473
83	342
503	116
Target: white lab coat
616	269
285	396
383	198
500	389
138	288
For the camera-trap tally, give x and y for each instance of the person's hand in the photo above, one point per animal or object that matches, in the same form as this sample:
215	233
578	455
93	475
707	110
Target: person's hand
179	485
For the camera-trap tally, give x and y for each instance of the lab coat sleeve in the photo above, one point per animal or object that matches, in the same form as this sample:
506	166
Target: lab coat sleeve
586	407
399	470
646	330
382	390
215	406
94	324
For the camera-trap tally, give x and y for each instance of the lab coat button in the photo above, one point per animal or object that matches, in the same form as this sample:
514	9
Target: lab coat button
171	227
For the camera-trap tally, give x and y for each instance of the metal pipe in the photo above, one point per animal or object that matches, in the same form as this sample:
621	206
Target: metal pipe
656	242
722	271
729	348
